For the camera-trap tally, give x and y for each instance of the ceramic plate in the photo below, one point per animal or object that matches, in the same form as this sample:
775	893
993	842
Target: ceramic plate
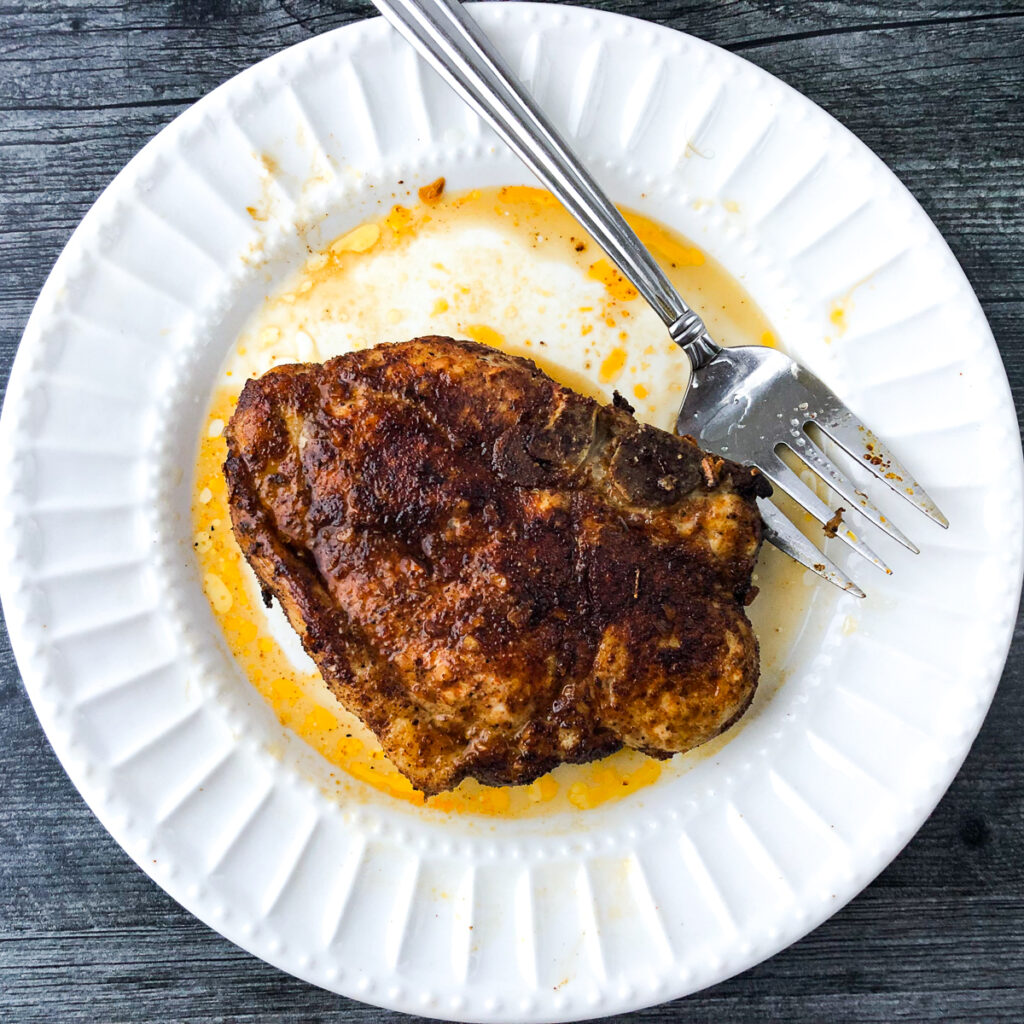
554	918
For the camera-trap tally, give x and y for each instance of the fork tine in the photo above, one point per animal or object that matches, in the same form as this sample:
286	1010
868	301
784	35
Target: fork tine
814	458
861	443
783	477
781	532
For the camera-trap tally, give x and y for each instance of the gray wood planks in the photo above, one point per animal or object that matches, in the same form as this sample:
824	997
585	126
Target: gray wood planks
935	89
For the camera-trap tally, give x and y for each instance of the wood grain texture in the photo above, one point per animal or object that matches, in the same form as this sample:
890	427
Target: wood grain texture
936	90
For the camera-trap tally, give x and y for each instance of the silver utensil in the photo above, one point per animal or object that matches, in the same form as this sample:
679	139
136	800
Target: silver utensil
744	403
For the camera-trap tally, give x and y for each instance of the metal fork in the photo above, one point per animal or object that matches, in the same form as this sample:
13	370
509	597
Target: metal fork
744	403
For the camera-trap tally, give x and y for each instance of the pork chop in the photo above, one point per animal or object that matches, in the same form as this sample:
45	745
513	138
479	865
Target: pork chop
495	573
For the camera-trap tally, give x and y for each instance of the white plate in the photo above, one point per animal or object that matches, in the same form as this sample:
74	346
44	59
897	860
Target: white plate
658	895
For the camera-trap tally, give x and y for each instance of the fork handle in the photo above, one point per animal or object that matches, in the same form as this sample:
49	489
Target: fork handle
450	40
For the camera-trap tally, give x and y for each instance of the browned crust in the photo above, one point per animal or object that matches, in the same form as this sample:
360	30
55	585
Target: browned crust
497	575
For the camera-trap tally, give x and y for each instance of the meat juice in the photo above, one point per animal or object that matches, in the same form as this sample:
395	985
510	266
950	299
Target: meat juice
506	267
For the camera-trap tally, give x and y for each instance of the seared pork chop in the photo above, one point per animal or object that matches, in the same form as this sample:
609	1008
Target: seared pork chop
496	574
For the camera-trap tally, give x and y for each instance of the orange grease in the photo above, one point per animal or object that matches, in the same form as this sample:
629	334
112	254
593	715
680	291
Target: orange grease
300	700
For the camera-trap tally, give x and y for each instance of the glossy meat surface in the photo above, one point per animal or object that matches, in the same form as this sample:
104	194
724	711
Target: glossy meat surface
495	573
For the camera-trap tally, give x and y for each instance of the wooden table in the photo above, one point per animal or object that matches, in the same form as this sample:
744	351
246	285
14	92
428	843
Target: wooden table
936	90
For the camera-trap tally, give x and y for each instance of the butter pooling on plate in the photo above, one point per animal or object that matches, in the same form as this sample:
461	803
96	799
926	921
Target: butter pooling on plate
509	268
